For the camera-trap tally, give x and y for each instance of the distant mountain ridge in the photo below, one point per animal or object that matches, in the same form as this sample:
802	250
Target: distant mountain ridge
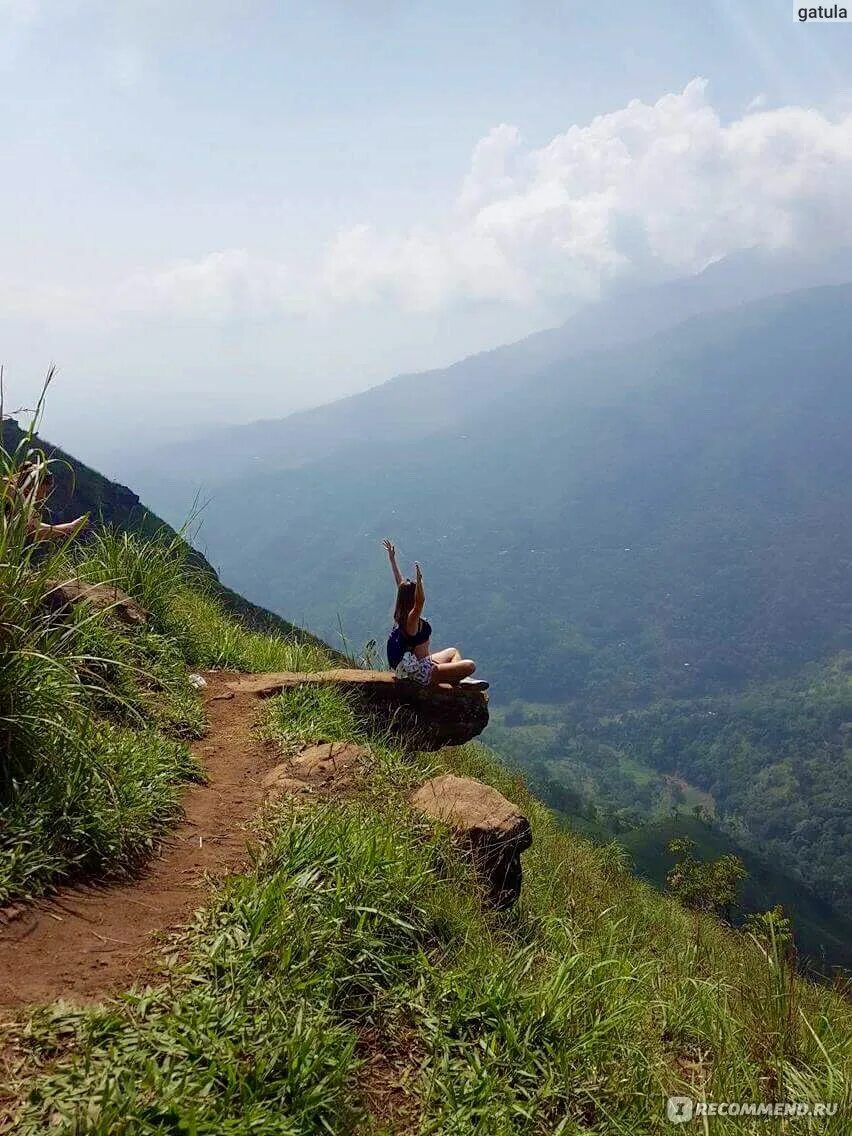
430	403
722	442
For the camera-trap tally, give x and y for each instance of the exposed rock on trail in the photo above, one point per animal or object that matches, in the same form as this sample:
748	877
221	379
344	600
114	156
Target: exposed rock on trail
326	767
487	826
426	717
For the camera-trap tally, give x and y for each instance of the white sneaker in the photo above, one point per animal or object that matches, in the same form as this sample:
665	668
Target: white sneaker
475	683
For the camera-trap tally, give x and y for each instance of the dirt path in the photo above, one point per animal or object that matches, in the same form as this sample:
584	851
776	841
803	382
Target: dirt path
86	942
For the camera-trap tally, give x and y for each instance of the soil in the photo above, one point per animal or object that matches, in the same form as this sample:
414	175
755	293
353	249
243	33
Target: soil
86	942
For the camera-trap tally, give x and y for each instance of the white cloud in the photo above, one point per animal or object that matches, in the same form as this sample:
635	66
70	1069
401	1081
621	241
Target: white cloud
666	187
18	19
126	67
221	286
420	270
646	190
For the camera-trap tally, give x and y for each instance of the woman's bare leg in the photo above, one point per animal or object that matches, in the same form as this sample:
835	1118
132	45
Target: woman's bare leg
448	655
453	672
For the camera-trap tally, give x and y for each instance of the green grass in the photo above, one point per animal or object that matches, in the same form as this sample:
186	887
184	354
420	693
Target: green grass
356	953
96	804
359	932
210	638
94	714
85	782
818	927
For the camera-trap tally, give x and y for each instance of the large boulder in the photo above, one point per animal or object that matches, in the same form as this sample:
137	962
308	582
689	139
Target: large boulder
102	597
427	717
490	829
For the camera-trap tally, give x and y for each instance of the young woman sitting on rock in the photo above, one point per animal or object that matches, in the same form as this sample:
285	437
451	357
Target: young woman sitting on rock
409	642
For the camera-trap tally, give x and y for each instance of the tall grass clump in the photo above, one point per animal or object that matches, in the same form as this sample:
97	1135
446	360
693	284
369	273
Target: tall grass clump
98	805
159	573
84	780
153	570
211	638
85	783
40	691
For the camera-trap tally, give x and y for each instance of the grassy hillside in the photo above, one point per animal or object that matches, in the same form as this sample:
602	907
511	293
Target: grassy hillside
608	793
820	932
94	714
352	981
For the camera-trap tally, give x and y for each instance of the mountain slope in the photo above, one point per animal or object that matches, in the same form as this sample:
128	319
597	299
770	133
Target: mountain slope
353	976
80	489
352	980
427	405
820	933
666	520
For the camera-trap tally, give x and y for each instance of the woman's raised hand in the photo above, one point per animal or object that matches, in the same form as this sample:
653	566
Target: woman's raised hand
417	570
389	547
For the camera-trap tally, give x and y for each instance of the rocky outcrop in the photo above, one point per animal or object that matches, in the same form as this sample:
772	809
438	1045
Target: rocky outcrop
425	717
487	826
326	768
101	597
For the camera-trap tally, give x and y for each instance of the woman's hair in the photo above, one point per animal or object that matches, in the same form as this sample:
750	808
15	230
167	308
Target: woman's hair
404	602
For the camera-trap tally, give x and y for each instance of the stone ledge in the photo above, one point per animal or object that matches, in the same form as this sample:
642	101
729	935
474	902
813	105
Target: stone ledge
427	717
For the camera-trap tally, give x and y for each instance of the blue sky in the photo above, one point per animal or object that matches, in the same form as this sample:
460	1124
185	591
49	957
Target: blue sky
223	211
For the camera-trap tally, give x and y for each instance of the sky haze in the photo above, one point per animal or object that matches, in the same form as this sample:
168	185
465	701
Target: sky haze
221	212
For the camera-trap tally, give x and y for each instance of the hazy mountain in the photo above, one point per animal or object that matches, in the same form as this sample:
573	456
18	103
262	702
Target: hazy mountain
698	481
429	403
662	522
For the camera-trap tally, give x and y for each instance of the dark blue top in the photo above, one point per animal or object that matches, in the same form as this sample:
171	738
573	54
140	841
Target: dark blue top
400	644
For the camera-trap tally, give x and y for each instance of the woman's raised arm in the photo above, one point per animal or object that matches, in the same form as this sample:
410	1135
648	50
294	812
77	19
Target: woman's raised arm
390	549
412	623
419	591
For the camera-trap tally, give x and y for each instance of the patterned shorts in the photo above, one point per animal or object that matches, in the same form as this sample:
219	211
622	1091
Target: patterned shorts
414	669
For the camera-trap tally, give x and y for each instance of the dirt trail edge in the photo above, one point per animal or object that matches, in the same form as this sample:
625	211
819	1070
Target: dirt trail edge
83	943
